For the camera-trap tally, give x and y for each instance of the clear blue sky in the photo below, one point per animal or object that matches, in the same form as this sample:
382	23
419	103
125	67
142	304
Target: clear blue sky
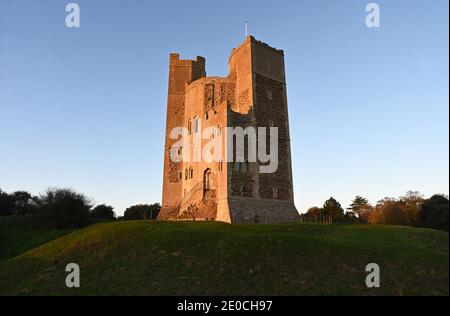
85	107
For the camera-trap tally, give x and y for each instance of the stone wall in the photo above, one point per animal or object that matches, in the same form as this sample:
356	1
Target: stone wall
255	211
271	112
253	94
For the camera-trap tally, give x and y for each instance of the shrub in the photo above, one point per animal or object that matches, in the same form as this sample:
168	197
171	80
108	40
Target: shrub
6	203
142	211
17	203
104	212
62	208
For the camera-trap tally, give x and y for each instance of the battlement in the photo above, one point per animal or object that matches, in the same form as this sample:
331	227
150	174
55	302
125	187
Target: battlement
265	45
251	39
175	61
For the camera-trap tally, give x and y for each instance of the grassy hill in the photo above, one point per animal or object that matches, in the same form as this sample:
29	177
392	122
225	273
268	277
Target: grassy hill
188	258
17	236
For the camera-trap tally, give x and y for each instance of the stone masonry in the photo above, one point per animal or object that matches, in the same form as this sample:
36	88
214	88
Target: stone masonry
253	94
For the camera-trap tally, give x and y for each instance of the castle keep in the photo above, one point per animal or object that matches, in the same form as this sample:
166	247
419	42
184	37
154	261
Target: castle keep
252	95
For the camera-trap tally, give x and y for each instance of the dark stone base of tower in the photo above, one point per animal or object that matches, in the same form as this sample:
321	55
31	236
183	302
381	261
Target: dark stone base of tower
252	95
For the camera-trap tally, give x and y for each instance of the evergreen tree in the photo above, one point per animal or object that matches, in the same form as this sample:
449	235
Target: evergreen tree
361	207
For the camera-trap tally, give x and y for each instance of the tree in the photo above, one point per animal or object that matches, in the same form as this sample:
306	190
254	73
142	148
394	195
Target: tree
103	211
434	212
153	211
351	217
390	211
142	211
23	203
361	207
17	203
62	208
6	203
314	213
412	204
403	211
332	208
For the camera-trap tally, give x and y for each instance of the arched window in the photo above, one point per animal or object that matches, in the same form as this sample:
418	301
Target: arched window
191	173
190	126
207	185
186	174
196	124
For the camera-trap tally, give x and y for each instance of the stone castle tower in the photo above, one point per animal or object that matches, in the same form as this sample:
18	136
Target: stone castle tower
252	95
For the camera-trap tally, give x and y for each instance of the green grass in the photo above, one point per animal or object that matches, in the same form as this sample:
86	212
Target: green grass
188	258
18	236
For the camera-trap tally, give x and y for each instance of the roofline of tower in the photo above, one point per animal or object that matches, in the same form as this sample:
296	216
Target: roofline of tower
250	38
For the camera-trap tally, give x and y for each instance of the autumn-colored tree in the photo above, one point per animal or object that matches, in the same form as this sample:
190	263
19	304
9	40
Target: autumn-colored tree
388	211
402	211
314	213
